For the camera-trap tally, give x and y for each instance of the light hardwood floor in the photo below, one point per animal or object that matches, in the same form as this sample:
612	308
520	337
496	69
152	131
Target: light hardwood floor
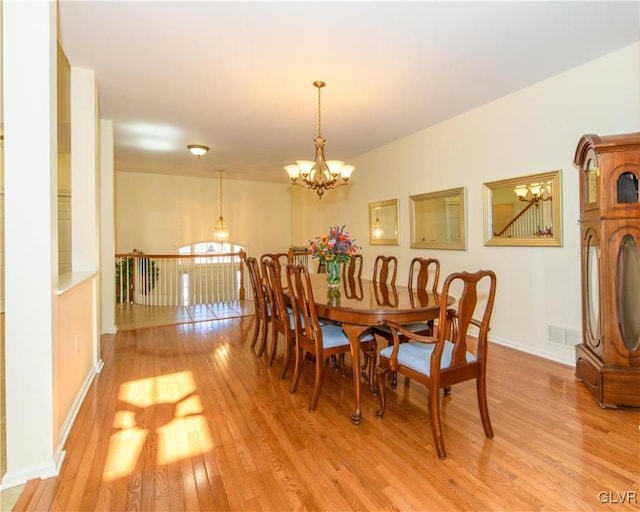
187	417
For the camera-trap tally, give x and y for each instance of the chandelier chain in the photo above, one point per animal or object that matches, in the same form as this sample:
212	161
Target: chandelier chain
220	193
319	114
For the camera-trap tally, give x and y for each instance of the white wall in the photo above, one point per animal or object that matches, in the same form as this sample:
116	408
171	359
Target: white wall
29	89
157	213
533	130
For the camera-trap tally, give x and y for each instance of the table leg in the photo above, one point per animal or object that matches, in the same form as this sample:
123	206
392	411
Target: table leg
353	332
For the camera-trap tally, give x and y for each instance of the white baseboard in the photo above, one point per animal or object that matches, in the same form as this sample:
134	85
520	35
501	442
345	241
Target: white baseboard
560	354
21	477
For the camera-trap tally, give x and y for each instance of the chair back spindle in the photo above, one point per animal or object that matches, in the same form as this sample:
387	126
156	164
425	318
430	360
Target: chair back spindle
419	279
282	258
352	277
353	268
385	269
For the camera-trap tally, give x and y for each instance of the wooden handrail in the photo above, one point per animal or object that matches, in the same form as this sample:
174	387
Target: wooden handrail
241	254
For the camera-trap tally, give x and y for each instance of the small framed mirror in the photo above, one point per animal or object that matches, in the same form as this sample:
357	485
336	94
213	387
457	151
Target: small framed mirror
524	211
438	220
383	222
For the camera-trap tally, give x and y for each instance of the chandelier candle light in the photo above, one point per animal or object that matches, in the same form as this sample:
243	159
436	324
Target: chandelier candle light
533	193
333	249
319	174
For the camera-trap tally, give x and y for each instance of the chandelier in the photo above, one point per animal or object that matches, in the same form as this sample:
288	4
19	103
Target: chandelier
319	174
221	231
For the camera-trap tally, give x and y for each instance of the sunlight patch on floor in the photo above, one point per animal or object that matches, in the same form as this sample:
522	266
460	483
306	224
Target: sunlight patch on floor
169	402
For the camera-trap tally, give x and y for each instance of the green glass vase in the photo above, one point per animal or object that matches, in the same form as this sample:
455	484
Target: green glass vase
333	273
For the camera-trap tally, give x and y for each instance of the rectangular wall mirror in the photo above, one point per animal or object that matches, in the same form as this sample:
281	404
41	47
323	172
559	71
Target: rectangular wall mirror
383	222
524	211
438	220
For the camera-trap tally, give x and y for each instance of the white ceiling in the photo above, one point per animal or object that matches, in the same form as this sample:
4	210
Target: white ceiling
237	76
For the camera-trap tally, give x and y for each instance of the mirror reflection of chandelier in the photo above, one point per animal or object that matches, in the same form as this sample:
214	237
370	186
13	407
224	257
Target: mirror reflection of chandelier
319	174
534	192
377	230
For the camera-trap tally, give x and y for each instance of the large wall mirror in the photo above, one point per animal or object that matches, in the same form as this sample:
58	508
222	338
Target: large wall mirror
383	222
438	220
524	211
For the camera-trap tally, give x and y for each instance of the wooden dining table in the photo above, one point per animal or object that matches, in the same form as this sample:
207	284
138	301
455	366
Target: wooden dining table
358	304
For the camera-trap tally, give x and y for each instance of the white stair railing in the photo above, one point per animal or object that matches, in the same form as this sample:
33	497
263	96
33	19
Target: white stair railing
179	280
533	220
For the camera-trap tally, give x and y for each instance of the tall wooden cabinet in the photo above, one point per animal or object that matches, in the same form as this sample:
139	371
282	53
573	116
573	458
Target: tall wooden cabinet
608	359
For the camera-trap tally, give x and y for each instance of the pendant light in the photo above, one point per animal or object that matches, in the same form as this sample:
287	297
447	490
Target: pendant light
221	231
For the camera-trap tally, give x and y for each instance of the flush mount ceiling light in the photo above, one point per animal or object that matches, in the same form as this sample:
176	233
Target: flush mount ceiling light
319	174
198	150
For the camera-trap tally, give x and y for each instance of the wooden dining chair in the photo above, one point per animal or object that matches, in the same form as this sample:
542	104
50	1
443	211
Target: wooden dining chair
261	305
321	341
385	269
282	321
424	274
444	359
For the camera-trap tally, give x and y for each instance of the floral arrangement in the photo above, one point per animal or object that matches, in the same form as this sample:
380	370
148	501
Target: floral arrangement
336	246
